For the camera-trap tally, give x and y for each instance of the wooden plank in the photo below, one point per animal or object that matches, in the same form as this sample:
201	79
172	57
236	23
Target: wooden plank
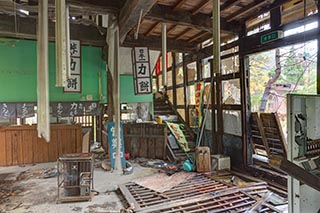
130	15
9	148
3	158
15	139
53	146
79	140
159	149
143	152
27	146
161	13
135	146
256	118
151	148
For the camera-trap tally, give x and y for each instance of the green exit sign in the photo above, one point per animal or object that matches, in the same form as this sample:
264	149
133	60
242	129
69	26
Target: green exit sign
271	36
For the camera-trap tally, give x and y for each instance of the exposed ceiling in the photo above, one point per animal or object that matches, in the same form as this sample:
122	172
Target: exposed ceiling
188	21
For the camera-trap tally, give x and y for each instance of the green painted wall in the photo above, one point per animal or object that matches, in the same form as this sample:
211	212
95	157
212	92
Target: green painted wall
18	71
127	91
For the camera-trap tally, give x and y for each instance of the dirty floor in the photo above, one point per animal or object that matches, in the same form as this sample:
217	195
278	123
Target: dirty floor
25	190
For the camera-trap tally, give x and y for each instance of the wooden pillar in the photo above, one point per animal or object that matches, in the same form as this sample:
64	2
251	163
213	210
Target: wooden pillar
318	55
245	99
174	79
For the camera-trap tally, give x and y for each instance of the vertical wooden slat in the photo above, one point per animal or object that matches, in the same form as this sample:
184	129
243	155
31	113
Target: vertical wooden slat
27	146
20	147
53	146
79	139
15	138
9	148
3	157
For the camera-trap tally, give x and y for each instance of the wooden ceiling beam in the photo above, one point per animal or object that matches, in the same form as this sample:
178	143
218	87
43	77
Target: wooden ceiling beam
228	4
250	7
154	43
272	6
25	28
130	15
202	22
198	36
202	5
182	33
171	29
179	4
148	33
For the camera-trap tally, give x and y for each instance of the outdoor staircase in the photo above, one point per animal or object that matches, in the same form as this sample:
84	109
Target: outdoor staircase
163	107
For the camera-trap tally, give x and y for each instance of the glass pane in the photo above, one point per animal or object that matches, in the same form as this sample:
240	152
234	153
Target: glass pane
206	67
231	50
192	71
160	81
207	93
170	95
154	85
192	97
232	122
182	112
231	91
230	65
180	96
169	75
179	58
179	75
192	118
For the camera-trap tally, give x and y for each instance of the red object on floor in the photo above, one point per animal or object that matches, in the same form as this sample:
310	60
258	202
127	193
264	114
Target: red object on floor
127	156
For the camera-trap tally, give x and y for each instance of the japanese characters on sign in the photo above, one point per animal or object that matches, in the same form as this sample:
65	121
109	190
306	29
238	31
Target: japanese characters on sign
71	109
74	82
58	109
7	110
112	138
25	110
141	70
198	98
178	134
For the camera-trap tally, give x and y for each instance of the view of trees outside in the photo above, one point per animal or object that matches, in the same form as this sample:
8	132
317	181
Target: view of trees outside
276	73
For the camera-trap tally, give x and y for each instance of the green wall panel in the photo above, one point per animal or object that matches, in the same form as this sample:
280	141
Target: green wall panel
18	72
18	75
127	91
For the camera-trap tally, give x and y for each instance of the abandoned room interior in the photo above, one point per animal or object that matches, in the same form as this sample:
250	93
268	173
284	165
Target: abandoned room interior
159	106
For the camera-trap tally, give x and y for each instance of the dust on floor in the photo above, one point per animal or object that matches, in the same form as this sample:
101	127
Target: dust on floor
28	191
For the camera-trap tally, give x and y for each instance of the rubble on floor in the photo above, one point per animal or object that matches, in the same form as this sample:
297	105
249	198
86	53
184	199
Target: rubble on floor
201	193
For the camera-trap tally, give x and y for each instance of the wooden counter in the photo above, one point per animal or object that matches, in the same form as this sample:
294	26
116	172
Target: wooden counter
20	144
145	140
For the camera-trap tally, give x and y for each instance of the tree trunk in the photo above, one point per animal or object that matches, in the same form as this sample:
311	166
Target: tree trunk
271	81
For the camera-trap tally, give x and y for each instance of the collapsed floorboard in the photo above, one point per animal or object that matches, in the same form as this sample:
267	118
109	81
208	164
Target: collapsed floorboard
200	193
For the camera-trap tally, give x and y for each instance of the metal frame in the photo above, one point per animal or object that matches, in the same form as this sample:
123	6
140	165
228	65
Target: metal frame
61	179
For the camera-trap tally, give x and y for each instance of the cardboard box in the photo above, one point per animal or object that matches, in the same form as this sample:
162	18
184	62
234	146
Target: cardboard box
219	162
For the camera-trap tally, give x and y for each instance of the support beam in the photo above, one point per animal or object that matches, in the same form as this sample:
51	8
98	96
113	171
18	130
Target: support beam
164	54
228	4
202	5
130	15
182	33
26	29
253	6
179	4
154	43
203	22
152	29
